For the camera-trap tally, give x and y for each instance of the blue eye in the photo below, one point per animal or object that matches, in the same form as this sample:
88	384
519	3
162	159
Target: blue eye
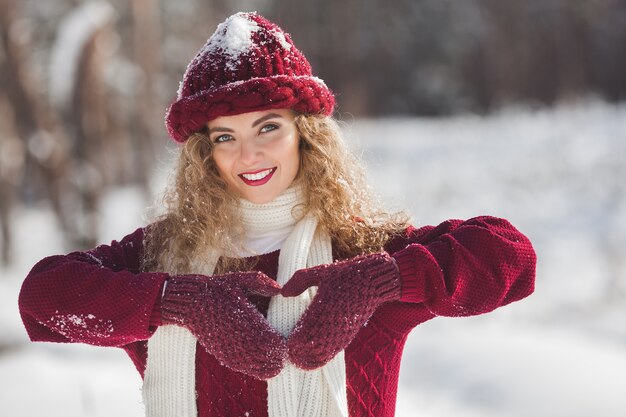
269	128
222	138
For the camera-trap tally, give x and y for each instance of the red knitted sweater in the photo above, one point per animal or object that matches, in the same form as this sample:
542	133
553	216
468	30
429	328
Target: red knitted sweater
101	297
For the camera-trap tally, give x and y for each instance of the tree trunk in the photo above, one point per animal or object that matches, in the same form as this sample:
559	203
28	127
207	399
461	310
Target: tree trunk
43	138
146	41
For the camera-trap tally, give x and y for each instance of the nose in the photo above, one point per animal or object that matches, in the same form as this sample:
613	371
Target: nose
250	154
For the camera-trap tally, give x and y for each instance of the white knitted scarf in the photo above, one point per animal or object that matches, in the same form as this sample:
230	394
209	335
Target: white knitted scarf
169	382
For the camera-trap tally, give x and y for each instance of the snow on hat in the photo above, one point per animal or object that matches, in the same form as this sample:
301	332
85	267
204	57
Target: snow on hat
248	64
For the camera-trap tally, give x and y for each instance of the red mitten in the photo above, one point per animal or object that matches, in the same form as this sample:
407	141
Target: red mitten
348	294
217	312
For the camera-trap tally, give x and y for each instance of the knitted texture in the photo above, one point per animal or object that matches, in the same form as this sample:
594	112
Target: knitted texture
472	267
216	310
348	294
293	391
248	64
296	392
219	388
55	307
169	363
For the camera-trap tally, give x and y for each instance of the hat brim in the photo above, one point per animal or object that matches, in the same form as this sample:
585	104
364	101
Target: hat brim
303	94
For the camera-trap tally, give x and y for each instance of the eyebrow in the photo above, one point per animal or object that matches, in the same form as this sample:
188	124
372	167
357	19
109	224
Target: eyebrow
266	117
219	129
256	122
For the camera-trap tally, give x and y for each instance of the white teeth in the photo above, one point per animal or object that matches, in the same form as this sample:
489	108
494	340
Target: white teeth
257	176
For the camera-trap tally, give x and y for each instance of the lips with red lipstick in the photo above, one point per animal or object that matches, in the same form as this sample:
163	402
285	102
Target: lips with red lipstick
258	177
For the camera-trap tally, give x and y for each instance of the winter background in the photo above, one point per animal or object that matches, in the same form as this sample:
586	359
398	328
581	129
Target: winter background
556	170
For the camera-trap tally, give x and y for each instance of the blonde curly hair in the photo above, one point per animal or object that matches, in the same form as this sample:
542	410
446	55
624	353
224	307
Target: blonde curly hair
201	213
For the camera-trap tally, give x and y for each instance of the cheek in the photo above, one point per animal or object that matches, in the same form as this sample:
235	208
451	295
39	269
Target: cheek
291	158
222	163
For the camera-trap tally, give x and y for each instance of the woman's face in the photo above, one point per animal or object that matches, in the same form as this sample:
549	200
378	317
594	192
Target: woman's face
256	153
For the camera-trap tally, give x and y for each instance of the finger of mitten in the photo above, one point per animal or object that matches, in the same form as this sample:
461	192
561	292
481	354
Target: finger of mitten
312	349
303	279
260	365
241	339
267	355
326	328
259	283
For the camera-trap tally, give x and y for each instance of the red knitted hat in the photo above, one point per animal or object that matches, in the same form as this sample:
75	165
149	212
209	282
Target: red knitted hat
248	64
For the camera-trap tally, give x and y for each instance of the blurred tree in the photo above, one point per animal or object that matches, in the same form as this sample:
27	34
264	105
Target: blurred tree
79	95
11	166
95	120
146	35
44	141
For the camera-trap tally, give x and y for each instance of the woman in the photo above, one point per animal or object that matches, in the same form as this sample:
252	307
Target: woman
273	284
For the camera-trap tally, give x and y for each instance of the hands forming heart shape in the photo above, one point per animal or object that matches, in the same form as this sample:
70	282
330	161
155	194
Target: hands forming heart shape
217	311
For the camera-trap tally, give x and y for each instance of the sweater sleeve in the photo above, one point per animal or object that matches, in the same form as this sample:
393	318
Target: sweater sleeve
98	297
463	268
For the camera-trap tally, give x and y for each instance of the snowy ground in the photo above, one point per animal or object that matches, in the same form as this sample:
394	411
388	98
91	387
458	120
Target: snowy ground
556	174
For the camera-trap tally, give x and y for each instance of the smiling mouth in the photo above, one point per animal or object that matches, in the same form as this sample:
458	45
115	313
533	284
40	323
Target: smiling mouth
258	177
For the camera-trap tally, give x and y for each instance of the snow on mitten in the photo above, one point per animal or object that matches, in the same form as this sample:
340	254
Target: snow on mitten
217	312
348	294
